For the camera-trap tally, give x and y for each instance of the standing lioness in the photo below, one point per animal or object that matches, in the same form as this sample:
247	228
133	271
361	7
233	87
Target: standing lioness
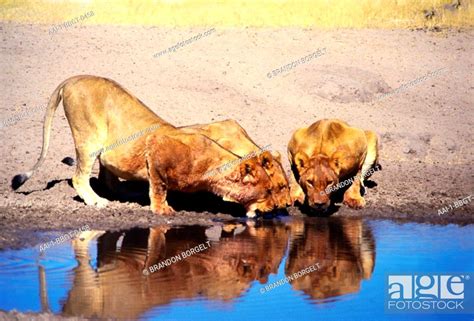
133	143
327	152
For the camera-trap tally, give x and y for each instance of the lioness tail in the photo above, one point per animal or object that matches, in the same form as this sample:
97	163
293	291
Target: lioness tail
20	179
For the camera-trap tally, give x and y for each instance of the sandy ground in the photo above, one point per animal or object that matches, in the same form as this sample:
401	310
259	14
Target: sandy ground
426	128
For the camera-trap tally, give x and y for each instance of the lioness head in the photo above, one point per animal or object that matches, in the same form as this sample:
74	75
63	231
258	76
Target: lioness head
315	175
271	163
249	185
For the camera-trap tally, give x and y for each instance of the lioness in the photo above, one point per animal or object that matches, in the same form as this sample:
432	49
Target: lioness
327	152
142	146
230	135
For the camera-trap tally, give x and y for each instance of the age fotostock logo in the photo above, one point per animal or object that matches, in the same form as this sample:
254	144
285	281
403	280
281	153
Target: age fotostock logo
430	293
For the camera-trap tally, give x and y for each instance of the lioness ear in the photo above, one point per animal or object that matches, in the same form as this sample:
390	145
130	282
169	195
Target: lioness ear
276	155
247	170
266	159
301	161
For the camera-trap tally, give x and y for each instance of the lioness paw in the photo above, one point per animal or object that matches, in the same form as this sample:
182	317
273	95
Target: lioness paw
251	214
101	203
355	203
297	194
97	201
164	209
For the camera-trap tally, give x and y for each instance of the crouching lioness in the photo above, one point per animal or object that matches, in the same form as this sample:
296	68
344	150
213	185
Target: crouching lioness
133	143
230	135
328	152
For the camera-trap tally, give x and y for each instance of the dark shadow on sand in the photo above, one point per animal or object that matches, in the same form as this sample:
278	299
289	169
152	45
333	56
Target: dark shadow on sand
137	192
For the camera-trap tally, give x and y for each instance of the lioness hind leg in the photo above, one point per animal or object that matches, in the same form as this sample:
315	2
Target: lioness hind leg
353	197
372	157
80	180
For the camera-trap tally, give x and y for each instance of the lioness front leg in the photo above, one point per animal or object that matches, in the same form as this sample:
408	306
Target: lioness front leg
158	203
352	196
371	161
296	192
156	246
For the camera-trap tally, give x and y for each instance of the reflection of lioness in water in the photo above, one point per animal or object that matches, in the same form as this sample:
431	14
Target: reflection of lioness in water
327	152
230	135
344	249
118	288
133	143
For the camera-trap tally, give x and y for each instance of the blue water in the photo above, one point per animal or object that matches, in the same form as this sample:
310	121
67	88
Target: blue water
101	276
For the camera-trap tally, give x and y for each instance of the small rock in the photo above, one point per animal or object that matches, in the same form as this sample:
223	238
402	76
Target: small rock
409	150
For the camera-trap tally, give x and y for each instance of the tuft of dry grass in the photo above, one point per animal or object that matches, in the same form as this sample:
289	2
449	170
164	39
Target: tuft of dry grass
256	13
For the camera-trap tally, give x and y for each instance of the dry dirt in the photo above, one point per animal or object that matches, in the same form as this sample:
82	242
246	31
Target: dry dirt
425	128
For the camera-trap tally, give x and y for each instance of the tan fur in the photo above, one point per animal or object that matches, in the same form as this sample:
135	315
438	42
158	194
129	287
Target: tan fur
101	113
326	153
179	161
344	250
230	135
223	272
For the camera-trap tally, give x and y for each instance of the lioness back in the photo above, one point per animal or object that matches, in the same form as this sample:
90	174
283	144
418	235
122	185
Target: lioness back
102	104
326	136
